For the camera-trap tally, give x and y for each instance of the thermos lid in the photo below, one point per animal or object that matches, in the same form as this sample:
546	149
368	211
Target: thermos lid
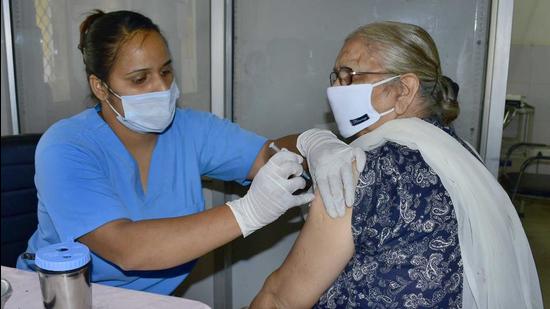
62	256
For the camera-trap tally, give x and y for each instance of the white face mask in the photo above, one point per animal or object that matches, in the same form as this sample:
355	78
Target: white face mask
352	106
150	112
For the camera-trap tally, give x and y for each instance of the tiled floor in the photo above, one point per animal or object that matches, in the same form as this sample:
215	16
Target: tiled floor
536	222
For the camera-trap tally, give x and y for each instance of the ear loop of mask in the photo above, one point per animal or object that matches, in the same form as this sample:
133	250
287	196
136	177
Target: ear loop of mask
383	82
109	102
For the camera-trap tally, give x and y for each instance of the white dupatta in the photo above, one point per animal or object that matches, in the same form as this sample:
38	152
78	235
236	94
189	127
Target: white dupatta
499	271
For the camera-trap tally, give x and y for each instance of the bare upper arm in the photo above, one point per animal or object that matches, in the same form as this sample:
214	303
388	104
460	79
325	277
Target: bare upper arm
321	252
261	159
108	241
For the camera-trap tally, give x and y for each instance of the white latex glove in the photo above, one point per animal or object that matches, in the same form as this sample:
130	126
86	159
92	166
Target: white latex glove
330	165
270	194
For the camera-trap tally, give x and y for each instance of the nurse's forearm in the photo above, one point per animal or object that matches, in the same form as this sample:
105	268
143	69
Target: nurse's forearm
163	243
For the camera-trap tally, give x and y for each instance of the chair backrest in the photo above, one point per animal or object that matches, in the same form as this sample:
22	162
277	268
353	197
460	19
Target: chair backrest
19	200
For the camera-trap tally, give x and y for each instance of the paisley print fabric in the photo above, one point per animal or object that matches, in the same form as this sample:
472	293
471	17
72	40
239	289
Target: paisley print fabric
404	228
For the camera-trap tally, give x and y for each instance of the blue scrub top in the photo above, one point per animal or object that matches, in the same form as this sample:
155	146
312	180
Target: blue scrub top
86	178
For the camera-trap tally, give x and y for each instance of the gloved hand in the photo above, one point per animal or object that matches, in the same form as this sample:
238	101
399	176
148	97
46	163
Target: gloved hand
270	194
330	165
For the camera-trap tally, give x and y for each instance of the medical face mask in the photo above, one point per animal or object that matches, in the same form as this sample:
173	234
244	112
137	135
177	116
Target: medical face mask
352	106
150	112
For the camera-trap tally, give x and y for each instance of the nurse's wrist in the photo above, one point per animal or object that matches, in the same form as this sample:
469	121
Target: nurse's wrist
239	209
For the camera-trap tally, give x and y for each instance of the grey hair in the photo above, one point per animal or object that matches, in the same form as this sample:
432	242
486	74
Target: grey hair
405	48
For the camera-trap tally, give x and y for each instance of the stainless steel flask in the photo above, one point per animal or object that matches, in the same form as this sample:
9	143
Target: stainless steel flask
64	273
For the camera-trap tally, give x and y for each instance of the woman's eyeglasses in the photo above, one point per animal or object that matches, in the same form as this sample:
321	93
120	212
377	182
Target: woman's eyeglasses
345	75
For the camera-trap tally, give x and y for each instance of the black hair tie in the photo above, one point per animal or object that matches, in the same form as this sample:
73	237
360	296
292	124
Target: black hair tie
435	84
455	87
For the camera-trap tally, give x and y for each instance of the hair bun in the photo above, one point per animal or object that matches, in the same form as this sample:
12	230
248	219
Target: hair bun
451	84
449	99
85	26
449	89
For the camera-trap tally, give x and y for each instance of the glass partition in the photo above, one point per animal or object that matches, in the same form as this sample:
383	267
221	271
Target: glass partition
50	77
283	52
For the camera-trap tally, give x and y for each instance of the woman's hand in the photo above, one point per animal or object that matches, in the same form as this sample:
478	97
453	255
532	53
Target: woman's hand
270	194
330	165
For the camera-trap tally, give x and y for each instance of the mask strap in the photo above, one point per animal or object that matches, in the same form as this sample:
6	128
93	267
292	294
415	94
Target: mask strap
380	83
113	109
109	102
111	90
387	112
385	80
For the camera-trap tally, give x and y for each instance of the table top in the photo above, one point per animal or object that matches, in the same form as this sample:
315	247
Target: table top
26	294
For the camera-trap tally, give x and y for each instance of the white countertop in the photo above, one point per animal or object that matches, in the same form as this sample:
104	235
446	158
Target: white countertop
26	294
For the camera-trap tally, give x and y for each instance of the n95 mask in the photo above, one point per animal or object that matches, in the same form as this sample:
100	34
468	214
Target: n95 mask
150	112
352	106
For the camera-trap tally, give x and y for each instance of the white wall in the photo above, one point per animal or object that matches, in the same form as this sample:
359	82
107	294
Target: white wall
531	23
529	71
529	75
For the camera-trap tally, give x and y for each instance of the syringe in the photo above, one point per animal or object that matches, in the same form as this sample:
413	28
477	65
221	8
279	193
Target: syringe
305	174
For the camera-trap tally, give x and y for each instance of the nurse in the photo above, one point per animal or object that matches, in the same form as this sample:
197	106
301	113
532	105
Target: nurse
124	177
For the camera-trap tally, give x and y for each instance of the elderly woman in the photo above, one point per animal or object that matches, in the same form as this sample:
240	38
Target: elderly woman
430	226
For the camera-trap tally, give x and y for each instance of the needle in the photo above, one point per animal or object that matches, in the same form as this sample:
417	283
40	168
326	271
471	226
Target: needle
305	174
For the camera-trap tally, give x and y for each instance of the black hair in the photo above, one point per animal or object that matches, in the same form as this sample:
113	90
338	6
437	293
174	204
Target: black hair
102	34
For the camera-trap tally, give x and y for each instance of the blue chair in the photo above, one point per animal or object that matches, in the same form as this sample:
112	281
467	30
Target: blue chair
19	200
